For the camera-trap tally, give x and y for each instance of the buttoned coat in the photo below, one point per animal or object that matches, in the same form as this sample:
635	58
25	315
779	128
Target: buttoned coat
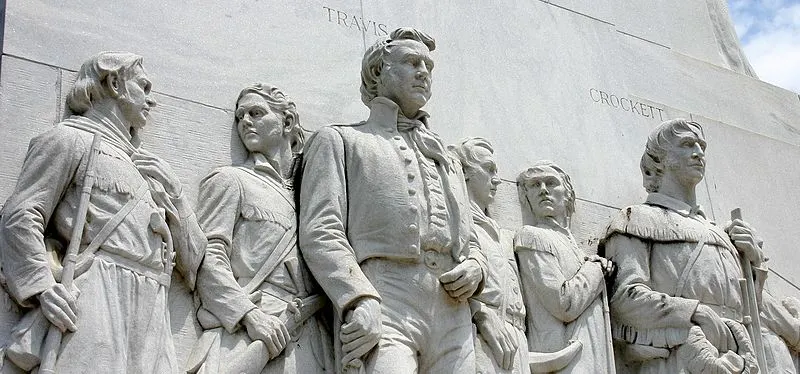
356	203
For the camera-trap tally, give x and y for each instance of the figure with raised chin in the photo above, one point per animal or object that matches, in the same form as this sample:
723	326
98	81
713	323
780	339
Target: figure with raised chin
259	305
385	223
562	286
138	223
498	311
676	301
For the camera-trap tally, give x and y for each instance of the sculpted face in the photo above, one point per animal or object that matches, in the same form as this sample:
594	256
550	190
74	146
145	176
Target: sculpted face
135	101
482	183
685	162
547	195
259	127
406	76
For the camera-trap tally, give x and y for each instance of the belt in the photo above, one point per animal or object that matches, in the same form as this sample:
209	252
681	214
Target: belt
437	261
515	319
163	277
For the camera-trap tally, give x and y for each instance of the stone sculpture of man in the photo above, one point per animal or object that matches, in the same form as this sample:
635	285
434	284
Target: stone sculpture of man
780	334
498	311
562	286
385	224
252	270
138	220
676	299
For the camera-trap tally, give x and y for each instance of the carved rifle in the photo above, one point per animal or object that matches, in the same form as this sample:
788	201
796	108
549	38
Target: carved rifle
612	366
752	314
53	339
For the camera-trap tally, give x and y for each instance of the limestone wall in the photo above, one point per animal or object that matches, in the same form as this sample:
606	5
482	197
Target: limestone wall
581	83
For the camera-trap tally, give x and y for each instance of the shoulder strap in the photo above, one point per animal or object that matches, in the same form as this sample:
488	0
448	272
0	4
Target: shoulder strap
698	249
284	247
86	257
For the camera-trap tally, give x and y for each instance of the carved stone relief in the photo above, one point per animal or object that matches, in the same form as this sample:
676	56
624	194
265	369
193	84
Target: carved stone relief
563	287
93	206
258	303
676	302
369	248
498	311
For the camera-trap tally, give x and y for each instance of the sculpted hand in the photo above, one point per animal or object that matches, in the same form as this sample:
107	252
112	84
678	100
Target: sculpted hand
58	306
463	280
713	328
501	340
792	304
746	240
267	328
361	330
606	265
156	168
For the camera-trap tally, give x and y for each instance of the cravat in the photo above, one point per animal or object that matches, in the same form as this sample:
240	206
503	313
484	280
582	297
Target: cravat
427	142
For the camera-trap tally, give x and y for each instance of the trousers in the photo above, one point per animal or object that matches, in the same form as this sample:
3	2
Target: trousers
424	329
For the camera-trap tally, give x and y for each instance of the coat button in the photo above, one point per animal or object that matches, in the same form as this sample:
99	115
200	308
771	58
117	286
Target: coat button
412	227
403	147
412	192
411	176
396	137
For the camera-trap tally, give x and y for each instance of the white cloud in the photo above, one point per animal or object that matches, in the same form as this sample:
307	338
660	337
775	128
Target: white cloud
770	33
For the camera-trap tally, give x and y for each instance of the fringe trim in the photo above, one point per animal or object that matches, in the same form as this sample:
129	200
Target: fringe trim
663	225
256	213
662	338
539	239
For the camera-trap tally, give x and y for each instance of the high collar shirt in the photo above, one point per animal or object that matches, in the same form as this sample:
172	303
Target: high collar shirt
370	190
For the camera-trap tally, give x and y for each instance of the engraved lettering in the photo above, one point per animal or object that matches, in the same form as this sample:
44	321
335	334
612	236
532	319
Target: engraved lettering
354	22
626	104
614	97
329	13
591	94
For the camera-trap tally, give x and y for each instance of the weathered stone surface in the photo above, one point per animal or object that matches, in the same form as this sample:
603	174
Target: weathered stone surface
580	83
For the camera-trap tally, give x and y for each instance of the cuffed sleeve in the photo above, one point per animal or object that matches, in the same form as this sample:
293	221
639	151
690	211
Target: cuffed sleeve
323	215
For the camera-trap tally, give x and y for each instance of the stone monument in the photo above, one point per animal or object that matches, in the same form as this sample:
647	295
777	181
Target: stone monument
259	307
498	311
676	303
382	203
563	288
137	220
582	83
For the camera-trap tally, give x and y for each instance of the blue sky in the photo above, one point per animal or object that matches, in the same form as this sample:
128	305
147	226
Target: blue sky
770	34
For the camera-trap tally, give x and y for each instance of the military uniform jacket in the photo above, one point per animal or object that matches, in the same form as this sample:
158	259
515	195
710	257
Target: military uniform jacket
356	203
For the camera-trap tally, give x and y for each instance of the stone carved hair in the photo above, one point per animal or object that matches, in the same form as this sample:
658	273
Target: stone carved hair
90	86
372	64
527	175
465	150
279	103
661	139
